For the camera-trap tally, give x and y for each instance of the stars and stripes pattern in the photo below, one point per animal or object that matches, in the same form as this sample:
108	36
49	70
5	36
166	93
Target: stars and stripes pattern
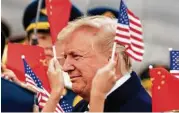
43	98
34	81
129	33
174	62
65	106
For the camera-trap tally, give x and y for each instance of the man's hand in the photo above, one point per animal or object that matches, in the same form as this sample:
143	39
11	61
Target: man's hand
56	83
55	76
35	108
9	75
104	79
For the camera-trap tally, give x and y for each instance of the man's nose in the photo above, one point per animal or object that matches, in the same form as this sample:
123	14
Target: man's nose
48	51
68	65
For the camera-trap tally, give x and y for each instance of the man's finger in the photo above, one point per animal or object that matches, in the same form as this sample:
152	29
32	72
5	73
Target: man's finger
6	77
115	78
3	67
57	64
35	108
51	66
2	75
111	64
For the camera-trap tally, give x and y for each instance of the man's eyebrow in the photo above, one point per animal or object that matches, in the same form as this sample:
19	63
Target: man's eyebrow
62	53
75	50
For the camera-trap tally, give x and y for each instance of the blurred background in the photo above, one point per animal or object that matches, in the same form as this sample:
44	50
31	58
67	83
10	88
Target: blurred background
160	20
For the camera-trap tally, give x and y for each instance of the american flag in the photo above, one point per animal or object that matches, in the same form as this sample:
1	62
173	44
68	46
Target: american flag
129	33
65	105
174	62
34	81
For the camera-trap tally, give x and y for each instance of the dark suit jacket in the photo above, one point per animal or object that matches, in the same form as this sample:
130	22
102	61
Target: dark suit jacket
129	97
15	98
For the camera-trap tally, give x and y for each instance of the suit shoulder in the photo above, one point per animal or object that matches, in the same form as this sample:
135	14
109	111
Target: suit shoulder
142	102
81	106
15	98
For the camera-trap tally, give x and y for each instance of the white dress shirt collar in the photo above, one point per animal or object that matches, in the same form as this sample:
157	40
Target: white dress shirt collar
120	82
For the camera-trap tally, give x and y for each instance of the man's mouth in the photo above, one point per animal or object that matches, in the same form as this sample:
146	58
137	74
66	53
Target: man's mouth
48	56
74	78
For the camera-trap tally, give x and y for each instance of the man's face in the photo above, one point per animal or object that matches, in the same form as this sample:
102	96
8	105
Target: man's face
44	41
81	60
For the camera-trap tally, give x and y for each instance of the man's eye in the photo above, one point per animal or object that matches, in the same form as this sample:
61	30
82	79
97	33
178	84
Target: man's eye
77	57
43	37
64	56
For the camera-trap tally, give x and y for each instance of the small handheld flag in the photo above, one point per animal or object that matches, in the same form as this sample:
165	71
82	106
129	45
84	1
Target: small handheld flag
164	90
174	63
34	81
129	33
58	12
36	57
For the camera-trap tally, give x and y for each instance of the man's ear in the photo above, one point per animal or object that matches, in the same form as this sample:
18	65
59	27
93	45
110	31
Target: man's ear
116	57
27	41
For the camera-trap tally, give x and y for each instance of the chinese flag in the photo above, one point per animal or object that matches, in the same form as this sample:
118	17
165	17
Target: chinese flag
35	57
165	90
58	12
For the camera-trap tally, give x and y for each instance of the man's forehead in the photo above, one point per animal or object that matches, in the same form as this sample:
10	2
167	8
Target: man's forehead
71	48
76	50
39	34
80	40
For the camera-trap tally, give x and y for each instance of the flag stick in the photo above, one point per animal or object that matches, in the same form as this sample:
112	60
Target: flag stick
170	49
113	51
34	39
37	16
54	52
150	66
86	8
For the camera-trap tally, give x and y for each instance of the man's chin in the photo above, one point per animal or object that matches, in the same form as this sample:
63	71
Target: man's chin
48	58
76	88
80	91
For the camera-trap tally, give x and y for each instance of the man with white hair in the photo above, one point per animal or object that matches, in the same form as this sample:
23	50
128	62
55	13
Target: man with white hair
87	46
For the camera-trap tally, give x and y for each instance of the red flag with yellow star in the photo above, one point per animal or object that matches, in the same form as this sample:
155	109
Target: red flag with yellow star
35	57
58	12
165	90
